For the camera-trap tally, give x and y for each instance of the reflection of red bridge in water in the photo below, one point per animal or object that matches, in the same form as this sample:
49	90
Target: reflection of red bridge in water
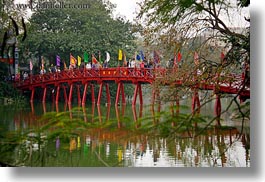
121	134
66	80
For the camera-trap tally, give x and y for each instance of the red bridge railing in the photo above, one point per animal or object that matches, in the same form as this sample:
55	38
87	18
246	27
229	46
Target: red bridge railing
233	84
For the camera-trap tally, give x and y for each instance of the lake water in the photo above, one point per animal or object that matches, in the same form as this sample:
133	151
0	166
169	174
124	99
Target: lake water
107	136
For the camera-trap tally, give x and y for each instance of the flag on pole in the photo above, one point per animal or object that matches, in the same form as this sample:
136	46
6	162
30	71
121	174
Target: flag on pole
94	59
85	57
30	65
79	60
120	55
73	61
107	57
196	58
58	61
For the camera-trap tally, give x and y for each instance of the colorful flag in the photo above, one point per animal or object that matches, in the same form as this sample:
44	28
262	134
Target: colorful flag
120	55
85	57
138	57
94	59
73	61
79	60
196	58
30	65
179	56
107	57
58	61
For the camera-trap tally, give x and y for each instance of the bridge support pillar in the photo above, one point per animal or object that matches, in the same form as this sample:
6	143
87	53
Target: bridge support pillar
32	95
84	95
138	88
57	94
195	103
100	93
135	116
218	109
120	90
156	96
44	94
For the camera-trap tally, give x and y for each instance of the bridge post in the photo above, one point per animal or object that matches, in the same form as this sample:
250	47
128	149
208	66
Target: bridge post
84	95
135	117
32	95
99	113
135	95
195	102
100	93
44	94
153	96
120	90
118	94
218	108
57	94
117	115
137	89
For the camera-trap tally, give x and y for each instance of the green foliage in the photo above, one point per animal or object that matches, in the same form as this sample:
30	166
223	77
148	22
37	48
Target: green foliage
65	31
6	88
174	24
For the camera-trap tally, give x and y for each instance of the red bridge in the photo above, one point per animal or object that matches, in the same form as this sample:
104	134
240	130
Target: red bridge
67	80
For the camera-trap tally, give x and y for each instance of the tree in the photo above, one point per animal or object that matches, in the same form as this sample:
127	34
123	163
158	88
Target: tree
53	31
177	23
76	30
205	26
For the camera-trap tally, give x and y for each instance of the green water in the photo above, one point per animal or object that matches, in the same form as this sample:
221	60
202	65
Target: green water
108	136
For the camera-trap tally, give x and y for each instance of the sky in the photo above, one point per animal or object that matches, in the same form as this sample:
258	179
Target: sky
126	8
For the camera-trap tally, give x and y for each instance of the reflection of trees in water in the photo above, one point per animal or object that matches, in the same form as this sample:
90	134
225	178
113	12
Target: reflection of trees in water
122	142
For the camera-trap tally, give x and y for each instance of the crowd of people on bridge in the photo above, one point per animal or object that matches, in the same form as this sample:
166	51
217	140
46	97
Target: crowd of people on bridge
134	62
